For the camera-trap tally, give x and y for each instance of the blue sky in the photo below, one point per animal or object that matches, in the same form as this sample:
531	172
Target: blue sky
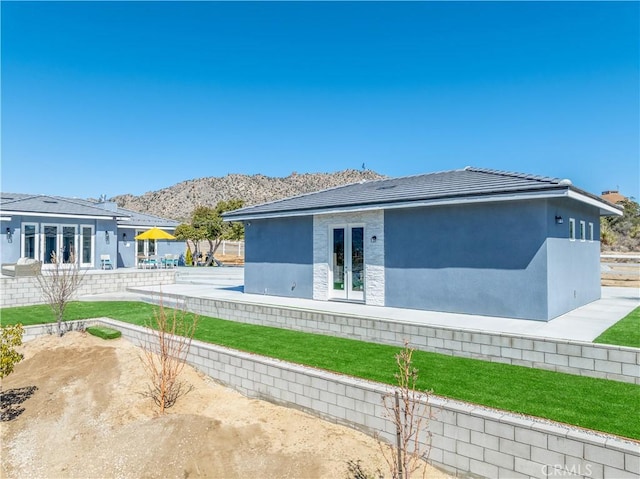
128	97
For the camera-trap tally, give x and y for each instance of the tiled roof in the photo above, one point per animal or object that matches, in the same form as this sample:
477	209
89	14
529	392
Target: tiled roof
142	219
57	205
453	184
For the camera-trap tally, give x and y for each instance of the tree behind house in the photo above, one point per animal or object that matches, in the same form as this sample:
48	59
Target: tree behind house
208	221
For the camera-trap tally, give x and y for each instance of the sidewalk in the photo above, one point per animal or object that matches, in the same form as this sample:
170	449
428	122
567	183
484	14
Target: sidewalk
583	324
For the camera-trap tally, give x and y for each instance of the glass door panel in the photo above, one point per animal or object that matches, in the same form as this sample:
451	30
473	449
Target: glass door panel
357	261
338	265
29	241
50	244
68	244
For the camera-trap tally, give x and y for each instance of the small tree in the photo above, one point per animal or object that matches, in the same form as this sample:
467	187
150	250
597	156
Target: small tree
409	412
59	284
186	232
209	222
9	357
165	354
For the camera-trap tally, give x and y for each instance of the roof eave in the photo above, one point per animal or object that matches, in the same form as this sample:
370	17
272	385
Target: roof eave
62	215
554	192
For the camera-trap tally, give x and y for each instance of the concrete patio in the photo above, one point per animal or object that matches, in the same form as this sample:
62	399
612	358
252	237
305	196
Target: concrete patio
226	283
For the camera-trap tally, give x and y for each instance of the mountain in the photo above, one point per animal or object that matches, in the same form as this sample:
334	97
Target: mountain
178	201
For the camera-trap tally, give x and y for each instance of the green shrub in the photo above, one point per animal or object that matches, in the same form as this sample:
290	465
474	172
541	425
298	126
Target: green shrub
11	338
188	259
104	332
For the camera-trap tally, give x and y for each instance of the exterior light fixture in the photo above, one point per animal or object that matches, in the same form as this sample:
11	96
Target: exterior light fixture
106	236
9	234
374	239
559	220
124	236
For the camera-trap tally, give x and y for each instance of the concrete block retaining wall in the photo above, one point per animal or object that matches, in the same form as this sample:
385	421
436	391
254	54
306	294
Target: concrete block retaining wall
573	357
467	440
24	291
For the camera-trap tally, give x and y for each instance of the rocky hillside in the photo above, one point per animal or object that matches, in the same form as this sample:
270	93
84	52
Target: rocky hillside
178	201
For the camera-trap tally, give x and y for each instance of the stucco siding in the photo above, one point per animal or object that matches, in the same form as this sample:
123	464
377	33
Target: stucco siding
373	222
485	259
573	265
279	257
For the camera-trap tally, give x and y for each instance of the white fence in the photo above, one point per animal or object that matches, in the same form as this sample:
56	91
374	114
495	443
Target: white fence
226	248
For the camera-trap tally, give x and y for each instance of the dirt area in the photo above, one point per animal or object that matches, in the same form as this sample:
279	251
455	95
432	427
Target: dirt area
81	414
620	273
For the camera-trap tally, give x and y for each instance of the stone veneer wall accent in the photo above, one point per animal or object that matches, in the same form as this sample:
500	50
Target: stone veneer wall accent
604	361
373	222
24	291
466	439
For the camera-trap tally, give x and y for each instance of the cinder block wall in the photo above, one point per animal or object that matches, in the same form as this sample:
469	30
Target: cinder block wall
617	363
24	291
466	439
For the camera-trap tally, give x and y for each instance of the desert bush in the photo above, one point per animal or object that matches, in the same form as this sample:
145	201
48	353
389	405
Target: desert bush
625	229
165	354
355	470
9	357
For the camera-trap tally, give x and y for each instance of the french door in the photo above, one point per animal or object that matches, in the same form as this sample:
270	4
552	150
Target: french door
59	244
346	274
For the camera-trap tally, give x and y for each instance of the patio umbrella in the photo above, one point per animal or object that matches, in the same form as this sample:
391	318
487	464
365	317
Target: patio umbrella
155	234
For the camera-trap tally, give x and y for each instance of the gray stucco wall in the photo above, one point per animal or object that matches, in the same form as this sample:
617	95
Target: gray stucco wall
11	251
573	266
487	259
10	248
279	257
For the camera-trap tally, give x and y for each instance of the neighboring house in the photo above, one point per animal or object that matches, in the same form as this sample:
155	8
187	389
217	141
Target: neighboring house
38	226
613	196
471	241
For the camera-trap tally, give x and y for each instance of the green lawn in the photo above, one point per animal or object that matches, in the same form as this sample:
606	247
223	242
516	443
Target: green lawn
625	332
588	402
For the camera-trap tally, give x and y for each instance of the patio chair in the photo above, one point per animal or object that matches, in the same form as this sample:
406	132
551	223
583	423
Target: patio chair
105	261
167	261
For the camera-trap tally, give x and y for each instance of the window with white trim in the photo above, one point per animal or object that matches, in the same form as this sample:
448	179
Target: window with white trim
29	240
583	231
572	229
590	231
87	239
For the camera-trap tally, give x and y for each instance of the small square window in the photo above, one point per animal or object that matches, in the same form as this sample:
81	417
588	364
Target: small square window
590	231
572	229
583	231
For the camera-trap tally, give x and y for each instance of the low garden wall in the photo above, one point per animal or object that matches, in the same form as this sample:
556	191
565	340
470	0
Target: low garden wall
617	363
24	291
467	440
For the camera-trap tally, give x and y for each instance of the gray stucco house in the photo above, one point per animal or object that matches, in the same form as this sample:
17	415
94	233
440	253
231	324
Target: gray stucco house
35	226
471	241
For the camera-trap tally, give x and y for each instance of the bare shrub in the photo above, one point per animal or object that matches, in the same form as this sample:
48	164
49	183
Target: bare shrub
410	413
165	354
59	285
